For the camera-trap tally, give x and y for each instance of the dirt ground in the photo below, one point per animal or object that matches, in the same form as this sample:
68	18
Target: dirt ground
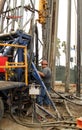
7	124
74	111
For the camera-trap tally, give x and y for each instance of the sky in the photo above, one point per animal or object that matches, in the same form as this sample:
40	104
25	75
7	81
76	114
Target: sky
62	26
62	20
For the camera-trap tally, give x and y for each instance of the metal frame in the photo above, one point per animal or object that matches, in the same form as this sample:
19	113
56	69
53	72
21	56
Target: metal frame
15	64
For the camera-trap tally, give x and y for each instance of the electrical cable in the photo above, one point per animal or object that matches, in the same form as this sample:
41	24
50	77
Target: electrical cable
64	123
80	104
79	98
67	108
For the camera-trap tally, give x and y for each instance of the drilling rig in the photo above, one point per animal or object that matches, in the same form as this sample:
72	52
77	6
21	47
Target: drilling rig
19	50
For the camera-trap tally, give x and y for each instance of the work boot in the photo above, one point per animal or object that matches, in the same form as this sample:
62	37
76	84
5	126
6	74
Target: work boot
47	107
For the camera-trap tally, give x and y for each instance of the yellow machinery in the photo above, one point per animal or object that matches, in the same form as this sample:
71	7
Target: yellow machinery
42	11
10	65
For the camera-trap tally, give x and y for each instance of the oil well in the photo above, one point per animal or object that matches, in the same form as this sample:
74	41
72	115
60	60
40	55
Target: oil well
28	34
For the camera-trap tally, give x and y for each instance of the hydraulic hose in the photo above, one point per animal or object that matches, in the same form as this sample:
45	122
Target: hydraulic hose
66	98
38	78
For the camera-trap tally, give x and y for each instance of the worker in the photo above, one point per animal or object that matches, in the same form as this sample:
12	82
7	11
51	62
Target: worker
45	74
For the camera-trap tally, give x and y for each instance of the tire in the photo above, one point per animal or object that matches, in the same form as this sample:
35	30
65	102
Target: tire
1	109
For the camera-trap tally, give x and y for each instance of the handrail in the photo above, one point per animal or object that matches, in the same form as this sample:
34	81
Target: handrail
17	64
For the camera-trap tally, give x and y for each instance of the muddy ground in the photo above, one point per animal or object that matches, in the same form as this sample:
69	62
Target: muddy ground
69	112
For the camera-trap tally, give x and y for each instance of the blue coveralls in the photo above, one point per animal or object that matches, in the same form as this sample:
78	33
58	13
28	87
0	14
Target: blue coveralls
43	98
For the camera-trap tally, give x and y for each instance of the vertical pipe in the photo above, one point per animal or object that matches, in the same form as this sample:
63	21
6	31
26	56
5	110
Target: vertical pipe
32	29
2	2
36	40
13	13
26	65
21	14
54	39
50	30
68	48
78	49
1	23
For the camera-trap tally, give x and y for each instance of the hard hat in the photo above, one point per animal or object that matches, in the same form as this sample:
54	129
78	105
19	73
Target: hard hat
44	62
